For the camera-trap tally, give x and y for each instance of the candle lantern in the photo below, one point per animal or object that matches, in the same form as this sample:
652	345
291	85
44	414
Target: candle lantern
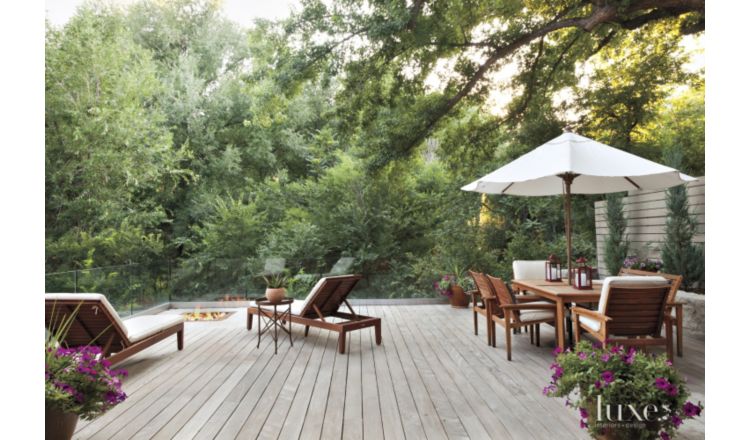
582	275
552	270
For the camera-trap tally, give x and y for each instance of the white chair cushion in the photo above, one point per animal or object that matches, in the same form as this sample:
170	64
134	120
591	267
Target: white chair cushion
627	281
535	315
89	297
528	269
591	323
141	327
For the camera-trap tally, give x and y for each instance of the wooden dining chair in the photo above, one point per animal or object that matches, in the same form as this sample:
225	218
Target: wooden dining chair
631	312
674	308
484	302
518	312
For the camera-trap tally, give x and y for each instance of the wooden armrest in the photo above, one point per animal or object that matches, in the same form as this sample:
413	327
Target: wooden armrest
590	313
528	306
529	298
473	292
676	304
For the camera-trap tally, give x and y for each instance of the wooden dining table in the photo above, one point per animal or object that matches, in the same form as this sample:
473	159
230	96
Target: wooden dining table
562	294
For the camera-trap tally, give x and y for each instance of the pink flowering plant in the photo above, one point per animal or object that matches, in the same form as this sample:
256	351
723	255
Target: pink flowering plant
621	393
457	278
78	380
647	264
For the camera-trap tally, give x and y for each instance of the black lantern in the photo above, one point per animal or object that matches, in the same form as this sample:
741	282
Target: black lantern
582	275
552	270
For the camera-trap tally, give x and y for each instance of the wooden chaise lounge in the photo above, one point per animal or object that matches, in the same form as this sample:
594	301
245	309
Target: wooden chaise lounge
324	301
96	323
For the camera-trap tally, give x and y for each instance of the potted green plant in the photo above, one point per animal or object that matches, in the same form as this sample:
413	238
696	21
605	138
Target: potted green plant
455	285
276	285
621	394
78	383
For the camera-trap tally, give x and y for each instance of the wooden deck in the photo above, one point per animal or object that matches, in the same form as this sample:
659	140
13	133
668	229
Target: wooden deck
431	378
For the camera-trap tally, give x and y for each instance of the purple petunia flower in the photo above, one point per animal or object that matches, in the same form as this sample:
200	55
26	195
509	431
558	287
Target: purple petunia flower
557	351
584	425
558	371
549	389
676	421
582	356
605	357
671	390
689	409
608	377
597	384
584	413
661	383
663	435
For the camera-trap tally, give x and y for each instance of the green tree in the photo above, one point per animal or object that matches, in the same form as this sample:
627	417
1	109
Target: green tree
679	253
107	150
616	244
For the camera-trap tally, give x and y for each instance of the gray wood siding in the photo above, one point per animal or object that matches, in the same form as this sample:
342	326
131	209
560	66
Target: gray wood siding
646	215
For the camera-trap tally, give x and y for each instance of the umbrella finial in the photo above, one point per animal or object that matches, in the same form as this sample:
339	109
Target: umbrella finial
567	129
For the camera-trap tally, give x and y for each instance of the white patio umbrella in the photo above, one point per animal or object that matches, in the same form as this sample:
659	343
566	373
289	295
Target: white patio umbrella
573	164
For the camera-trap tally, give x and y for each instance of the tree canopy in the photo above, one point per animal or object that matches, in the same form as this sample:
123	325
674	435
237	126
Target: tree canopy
347	129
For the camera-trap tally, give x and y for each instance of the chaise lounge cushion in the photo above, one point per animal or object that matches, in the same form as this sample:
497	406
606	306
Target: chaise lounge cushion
141	327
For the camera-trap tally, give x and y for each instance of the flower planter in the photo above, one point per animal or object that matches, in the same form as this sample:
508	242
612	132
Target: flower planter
275	295
458	297
59	425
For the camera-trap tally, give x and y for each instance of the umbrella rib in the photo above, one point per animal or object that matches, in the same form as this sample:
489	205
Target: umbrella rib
506	188
632	183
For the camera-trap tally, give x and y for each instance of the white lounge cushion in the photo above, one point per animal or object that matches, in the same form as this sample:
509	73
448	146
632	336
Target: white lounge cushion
528	269
88	297
536	315
141	327
591	323
297	307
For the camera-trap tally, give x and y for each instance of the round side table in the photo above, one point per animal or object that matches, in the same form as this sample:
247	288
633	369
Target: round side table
274	320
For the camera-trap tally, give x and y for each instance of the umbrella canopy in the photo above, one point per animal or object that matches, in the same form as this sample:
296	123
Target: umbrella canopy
574	164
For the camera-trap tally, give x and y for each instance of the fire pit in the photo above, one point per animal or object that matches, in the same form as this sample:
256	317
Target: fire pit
198	315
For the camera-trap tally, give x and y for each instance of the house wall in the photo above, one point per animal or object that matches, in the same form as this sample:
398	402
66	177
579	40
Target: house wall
646	215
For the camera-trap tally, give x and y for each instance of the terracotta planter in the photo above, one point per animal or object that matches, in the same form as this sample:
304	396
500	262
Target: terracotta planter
59	425
458	298
275	295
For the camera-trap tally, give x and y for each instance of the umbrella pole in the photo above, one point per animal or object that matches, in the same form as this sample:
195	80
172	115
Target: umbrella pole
568	179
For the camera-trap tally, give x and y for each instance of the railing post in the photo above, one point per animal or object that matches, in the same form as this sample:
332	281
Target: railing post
75	281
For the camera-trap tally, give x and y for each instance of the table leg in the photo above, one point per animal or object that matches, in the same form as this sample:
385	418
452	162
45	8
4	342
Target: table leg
560	323
260	324
569	323
275	331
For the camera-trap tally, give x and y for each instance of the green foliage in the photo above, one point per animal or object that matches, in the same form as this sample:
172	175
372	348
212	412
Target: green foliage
616	245
680	255
174	135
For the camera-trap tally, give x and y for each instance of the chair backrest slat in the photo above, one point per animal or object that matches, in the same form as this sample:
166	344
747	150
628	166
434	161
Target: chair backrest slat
330	295
674	280
636	310
483	285
93	323
501	290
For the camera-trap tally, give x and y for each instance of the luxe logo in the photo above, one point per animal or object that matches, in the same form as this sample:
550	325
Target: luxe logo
629	413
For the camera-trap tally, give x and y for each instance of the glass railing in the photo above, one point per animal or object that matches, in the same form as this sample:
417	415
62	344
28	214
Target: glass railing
135	287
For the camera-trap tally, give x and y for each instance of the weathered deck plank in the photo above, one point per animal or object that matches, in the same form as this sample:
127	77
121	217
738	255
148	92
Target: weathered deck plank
431	378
